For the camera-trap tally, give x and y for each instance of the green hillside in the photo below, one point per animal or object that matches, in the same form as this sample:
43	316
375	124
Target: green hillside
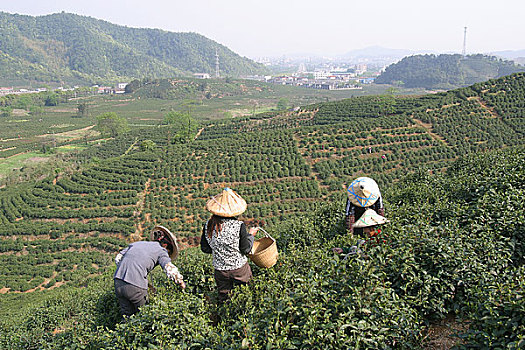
449	258
284	163
75	49
446	71
64	230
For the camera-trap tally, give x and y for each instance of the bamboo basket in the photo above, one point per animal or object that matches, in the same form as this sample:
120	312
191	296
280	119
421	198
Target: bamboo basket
264	251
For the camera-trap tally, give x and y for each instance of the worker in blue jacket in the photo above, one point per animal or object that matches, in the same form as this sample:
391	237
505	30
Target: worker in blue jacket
136	261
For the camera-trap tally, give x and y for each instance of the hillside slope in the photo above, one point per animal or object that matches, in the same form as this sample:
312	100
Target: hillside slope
72	48
446	71
449	252
283	163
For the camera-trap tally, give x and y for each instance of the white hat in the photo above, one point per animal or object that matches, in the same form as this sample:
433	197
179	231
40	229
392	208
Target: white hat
226	204
370	218
363	192
170	236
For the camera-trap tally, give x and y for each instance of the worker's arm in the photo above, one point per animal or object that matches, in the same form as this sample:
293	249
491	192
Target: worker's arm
349	216
171	270
246	239
205	246
350	221
173	274
120	255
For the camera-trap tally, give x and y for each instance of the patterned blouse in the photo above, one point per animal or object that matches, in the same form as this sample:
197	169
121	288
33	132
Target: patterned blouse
226	246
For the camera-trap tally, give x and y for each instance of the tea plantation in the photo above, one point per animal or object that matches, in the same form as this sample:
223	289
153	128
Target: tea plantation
66	227
454	247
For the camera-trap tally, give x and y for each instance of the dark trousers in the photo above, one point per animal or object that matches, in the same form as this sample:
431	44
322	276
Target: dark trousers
228	279
130	297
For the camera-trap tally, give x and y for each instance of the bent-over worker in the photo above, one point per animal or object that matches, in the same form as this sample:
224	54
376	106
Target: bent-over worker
136	261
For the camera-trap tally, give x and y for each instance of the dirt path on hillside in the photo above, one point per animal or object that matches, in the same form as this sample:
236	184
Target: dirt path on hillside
73	134
428	127
198	133
484	105
140	207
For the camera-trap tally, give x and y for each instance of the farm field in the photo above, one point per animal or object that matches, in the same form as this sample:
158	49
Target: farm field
32	125
65	229
284	164
395	293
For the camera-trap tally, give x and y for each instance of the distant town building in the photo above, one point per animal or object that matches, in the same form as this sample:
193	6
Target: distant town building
201	75
321	74
360	68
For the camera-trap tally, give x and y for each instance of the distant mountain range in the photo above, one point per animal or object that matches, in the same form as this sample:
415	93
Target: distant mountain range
378	51
509	54
65	47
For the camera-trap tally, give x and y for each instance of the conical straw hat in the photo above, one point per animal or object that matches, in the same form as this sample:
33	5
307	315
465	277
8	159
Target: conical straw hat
370	218
168	234
226	204
363	192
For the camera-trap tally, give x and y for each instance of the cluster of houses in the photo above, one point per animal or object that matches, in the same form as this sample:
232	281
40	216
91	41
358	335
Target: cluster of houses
325	79
119	88
332	81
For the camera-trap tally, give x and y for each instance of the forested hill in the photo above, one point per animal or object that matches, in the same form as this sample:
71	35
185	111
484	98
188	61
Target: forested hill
446	71
72	48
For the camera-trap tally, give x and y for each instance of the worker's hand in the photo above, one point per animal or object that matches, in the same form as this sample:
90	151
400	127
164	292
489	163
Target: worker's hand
182	284
253	231
152	290
337	250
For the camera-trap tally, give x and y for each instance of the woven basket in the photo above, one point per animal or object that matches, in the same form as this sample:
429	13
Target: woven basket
264	252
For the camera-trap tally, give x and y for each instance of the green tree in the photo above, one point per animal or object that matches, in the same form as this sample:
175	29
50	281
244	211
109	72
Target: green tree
82	109
111	124
282	104
52	100
6	112
183	124
36	111
148	145
23	102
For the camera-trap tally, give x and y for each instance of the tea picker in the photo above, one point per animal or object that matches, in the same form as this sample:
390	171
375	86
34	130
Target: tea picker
369	222
136	261
363	193
230	243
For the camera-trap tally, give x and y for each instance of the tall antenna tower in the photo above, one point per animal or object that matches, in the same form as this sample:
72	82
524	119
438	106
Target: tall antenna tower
465	42
216	64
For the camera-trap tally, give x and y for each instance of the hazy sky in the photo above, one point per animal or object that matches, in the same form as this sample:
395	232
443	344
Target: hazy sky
277	27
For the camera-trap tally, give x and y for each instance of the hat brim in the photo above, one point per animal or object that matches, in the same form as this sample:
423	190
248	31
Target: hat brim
370	218
171	237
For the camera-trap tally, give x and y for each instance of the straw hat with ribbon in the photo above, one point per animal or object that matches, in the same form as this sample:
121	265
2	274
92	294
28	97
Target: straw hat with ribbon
363	192
226	204
370	218
161	230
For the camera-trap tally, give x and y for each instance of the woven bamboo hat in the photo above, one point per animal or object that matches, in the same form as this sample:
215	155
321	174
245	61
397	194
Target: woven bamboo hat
158	231
226	204
370	218
363	192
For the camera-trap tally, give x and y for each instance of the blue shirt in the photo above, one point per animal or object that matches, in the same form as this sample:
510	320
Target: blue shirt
138	260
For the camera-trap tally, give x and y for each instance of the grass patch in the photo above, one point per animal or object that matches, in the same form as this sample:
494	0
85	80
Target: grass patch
70	148
20	160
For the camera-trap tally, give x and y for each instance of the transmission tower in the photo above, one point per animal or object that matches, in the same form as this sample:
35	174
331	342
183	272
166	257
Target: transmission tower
465	42
216	64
